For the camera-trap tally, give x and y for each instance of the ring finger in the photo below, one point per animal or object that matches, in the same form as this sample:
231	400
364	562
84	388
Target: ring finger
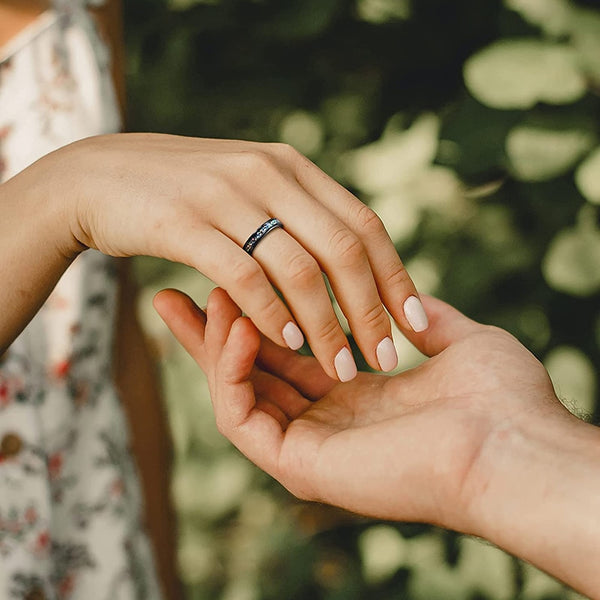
300	280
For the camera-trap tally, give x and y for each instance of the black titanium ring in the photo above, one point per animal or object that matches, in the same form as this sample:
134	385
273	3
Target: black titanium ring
260	233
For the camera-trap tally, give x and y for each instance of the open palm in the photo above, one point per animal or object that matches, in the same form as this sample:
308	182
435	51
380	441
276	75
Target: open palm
401	447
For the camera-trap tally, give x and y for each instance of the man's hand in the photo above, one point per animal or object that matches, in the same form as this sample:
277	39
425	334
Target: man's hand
472	439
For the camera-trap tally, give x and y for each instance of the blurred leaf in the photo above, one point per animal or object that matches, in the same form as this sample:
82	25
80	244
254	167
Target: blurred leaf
587	177
537	154
571	264
381	11
574	379
477	134
186	4
487	569
301	18
383	551
196	556
386	164
519	73
539	584
552	16
227	479
241	589
585	33
399	217
303	131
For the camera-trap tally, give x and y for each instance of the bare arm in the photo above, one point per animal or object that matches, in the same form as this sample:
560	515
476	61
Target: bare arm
543	501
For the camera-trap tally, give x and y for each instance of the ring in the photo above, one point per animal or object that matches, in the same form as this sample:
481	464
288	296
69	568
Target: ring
260	233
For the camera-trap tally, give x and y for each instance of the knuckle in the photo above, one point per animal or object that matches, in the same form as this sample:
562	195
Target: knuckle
397	276
347	246
329	331
375	317
303	271
246	273
285	151
368	221
271	308
255	160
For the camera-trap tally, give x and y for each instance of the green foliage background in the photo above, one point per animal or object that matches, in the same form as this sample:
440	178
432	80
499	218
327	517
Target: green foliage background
472	127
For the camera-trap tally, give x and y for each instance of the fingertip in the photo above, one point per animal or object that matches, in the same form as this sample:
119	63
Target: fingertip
446	326
216	294
243	331
415	314
183	317
240	351
173	305
161	300
219	301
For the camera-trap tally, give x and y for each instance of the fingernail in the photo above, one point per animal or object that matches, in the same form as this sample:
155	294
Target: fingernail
345	367
415	314
386	355
293	336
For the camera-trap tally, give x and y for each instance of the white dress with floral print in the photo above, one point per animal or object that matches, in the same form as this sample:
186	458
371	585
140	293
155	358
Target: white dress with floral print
70	503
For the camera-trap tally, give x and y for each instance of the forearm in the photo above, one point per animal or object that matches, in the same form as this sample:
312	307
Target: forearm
36	245
543	501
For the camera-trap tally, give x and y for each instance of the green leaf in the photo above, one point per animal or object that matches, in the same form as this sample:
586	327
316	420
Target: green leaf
383	551
587	177
519	73
585	38
385	165
537	153
571	264
552	16
574	378
382	11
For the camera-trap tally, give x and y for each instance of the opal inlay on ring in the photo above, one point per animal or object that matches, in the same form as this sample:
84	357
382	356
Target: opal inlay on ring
260	233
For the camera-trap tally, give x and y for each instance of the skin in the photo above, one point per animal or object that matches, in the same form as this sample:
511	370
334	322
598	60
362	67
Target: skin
15	15
174	197
474	439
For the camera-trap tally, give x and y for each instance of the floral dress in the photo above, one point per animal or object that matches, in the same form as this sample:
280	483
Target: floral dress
70	503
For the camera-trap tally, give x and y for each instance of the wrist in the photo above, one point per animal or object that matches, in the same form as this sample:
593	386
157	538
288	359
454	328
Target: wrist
51	188
535	493
36	246
34	193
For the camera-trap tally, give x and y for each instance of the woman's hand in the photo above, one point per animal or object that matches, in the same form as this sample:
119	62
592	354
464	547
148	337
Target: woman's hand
196	201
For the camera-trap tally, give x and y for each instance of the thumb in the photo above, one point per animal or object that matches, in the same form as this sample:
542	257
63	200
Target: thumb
446	326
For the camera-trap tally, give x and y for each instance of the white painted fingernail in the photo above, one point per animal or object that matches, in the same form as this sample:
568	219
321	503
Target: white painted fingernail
345	367
386	355
293	336
415	314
